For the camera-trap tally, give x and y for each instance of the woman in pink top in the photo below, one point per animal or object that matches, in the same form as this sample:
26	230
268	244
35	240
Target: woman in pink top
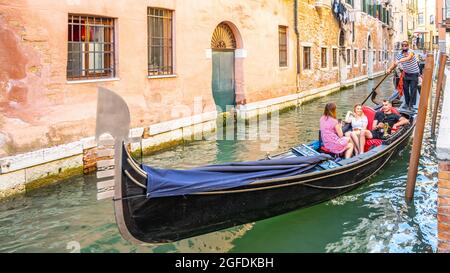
331	133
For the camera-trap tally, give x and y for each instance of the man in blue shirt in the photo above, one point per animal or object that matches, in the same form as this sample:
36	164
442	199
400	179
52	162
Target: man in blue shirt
411	67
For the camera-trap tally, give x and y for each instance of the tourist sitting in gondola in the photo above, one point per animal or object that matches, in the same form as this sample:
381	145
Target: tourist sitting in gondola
331	133
385	121
358	122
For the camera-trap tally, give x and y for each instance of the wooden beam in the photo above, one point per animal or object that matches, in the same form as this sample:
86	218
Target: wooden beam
420	126
439	85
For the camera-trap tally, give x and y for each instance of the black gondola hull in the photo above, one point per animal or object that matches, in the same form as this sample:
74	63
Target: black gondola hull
167	219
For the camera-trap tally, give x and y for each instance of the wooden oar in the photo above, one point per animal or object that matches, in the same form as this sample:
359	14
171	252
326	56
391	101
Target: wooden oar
373	94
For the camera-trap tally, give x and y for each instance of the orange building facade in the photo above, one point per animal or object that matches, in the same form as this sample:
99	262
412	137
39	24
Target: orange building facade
173	61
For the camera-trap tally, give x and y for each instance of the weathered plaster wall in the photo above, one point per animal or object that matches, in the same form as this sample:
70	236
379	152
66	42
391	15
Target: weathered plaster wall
39	108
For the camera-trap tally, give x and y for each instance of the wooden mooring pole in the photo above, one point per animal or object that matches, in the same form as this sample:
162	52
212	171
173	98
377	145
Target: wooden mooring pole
439	85
420	126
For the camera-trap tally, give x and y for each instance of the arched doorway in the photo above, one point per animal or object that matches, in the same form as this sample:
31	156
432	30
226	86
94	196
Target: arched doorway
342	58
223	45
370	57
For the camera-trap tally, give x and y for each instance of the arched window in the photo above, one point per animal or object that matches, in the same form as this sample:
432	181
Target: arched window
223	37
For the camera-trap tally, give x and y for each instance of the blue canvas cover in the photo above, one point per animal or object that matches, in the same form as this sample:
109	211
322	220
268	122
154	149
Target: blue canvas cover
169	182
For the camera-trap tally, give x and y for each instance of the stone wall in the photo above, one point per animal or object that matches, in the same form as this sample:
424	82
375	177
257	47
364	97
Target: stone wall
40	108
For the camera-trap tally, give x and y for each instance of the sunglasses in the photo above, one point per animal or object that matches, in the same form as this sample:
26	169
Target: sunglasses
404	45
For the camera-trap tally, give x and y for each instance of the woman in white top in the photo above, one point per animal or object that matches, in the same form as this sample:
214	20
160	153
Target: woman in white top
359	124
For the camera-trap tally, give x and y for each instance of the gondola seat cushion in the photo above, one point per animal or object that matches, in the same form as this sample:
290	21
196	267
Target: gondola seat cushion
372	143
370	114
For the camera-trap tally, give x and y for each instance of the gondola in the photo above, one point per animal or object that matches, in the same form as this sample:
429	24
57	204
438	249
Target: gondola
148	219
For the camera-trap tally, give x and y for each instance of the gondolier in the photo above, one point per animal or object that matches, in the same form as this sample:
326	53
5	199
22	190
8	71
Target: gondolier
411	68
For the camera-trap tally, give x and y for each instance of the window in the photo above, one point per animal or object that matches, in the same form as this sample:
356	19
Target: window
353	31
365	6
350	2
379	56
306	57
364	56
420	18
324	59
282	36
335	58
355	56
90	48
401	24
348	56
160	48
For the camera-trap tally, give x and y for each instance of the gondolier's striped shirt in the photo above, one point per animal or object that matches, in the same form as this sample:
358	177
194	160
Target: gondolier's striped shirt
410	67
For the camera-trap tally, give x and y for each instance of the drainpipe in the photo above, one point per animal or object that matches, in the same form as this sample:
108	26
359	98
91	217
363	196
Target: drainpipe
297	34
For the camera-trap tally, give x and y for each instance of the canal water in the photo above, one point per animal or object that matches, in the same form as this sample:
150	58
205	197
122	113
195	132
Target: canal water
374	218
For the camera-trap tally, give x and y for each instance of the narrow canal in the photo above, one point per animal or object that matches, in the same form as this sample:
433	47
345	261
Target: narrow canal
373	218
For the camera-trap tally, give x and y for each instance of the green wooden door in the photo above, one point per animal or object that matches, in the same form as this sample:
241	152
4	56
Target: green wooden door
223	79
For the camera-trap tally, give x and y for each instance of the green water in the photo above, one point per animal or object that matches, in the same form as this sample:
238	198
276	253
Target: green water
373	218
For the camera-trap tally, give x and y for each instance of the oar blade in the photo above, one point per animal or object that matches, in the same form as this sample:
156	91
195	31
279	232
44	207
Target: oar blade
376	97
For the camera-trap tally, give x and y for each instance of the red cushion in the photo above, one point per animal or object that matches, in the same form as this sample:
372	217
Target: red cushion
370	114
372	142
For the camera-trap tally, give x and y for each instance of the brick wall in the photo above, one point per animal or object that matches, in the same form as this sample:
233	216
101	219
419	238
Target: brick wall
443	154
444	207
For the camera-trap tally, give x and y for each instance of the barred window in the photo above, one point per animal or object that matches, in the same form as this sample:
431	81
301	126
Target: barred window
282	37
349	56
355	56
324	57
160	38
90	48
335	58
364	56
306	57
